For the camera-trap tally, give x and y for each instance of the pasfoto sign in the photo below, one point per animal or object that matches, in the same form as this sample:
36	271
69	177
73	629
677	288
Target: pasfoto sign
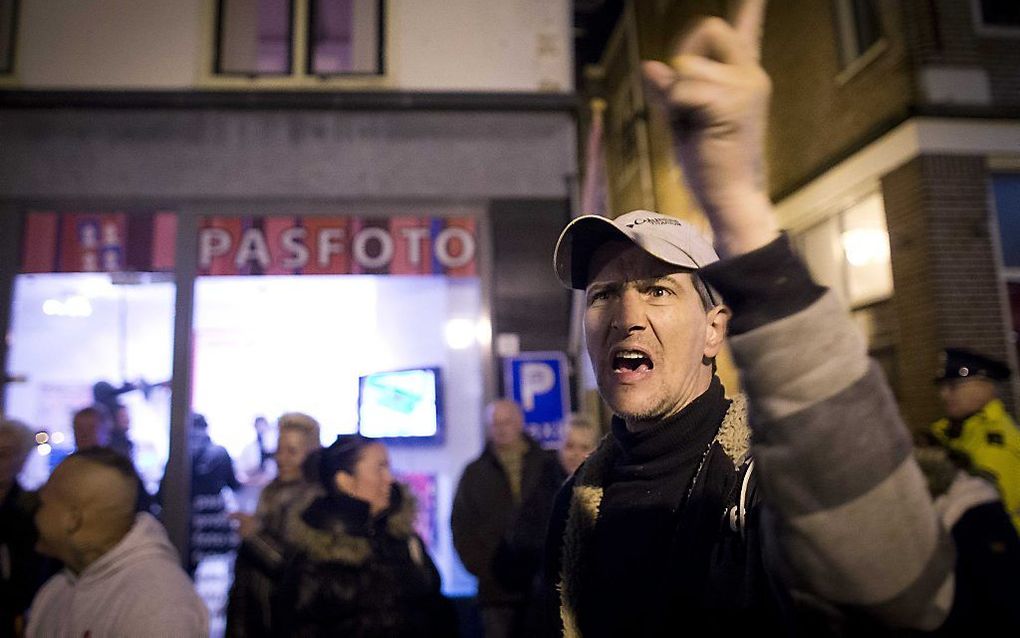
537	381
117	241
288	245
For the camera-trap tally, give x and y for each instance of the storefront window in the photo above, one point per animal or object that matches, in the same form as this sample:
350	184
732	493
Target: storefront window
71	332
292	312
92	323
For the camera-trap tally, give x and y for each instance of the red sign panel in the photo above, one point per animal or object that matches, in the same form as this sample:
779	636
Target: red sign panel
98	242
338	245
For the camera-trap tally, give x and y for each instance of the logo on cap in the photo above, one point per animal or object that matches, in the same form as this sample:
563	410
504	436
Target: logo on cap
654	220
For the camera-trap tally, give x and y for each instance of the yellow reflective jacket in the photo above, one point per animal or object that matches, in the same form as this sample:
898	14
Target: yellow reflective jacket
991	440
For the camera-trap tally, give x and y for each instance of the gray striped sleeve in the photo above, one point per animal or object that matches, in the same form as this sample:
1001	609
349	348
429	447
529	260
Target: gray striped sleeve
854	517
792	363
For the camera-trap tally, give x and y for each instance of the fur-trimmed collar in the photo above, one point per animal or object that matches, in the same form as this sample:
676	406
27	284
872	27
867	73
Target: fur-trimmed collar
340	535
734	437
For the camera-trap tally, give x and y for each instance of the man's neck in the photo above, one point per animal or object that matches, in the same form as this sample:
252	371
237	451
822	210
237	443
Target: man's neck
86	556
638	424
517	446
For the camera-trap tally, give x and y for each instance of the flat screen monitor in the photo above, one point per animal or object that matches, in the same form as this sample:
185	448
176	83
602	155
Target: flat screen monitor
401	405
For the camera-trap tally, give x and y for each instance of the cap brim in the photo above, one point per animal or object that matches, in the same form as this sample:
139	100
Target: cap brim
576	245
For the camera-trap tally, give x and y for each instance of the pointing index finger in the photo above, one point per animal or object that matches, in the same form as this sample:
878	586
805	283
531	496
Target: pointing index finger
747	18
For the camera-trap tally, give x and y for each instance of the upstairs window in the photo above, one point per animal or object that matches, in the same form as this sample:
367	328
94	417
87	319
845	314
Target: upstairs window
299	38
858	28
344	37
997	15
8	16
254	37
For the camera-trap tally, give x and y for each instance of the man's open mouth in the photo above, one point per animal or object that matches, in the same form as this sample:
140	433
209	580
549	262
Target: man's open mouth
631	360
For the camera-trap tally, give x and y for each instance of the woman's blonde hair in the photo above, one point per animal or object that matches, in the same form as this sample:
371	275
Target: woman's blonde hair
303	424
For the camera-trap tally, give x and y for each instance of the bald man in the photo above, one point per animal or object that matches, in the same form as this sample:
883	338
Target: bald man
500	514
122	577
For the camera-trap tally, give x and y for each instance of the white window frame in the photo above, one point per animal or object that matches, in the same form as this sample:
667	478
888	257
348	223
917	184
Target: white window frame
852	61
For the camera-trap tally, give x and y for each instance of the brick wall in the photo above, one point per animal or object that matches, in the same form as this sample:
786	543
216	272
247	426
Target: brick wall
817	116
944	269
943	33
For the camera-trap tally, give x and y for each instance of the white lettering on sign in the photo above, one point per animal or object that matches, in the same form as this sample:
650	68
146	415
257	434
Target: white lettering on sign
384	241
212	242
330	243
414	237
536	379
252	247
467	247
293	240
373	247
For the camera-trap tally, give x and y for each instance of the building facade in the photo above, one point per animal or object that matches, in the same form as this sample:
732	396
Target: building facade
893	161
196	156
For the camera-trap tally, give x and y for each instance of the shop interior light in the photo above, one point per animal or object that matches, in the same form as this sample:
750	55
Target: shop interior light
57	437
864	246
41	437
52	307
483	331
460	333
72	306
44	449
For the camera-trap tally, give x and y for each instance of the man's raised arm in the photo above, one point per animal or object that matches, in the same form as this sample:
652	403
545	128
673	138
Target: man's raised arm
846	502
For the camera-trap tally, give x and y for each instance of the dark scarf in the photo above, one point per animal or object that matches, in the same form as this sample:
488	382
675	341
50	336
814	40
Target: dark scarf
626	503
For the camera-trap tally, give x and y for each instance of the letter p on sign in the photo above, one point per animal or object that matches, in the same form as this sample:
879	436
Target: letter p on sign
536	379
539	383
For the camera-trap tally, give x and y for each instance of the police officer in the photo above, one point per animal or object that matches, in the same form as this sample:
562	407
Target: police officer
976	424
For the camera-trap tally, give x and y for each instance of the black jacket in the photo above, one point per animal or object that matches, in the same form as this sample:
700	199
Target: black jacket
350	575
670	563
499	540
24	570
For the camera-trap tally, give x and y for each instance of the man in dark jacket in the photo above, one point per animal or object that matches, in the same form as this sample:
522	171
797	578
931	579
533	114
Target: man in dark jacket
666	529
22	569
500	514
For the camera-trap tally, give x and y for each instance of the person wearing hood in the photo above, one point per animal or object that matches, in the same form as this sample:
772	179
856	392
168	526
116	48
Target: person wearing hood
499	519
212	471
355	566
122	576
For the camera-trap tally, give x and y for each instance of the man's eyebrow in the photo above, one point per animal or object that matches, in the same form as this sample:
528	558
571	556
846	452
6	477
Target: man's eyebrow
643	281
655	279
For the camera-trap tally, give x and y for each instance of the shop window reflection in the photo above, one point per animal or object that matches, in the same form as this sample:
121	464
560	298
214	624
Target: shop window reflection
72	330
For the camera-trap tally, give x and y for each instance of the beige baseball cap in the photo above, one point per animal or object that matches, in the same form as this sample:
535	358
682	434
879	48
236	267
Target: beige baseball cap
666	238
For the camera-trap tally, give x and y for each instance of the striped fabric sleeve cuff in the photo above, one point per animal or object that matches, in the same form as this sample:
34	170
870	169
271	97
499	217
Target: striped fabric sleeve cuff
763	285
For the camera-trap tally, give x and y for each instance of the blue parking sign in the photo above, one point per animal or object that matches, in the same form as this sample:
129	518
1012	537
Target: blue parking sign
537	381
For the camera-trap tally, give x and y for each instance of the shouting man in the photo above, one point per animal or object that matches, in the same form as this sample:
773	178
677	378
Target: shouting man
799	510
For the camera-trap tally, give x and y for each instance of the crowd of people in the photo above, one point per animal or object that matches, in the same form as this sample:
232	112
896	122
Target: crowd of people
801	506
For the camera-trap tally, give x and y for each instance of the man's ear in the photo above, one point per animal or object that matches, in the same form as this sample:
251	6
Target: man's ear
73	520
718	320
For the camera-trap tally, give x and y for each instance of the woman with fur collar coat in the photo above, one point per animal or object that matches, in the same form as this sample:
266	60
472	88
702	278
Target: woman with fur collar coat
356	566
